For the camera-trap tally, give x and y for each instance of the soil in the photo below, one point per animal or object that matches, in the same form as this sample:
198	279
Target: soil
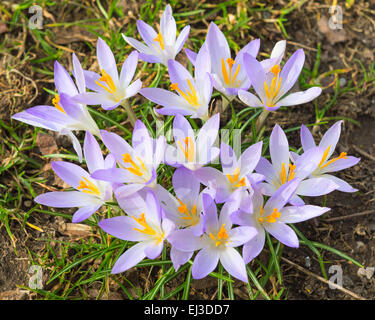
355	236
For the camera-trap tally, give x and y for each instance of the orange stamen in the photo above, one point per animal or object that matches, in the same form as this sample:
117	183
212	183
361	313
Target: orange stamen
55	102
106	78
88	186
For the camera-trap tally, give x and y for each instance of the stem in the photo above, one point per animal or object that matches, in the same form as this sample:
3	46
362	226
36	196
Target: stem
261	121
129	110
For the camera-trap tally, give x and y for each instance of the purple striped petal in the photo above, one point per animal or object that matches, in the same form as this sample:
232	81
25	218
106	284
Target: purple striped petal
204	263
233	263
85	212
283	233
299	214
66	199
130	258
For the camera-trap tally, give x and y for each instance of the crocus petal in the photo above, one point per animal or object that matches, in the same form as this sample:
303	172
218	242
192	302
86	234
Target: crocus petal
279	148
36	121
249	99
283	233
76	144
122	227
343	185
130	258
179	257
63	81
181	39
179	240
51	114
240	235
106	59
178	74
315	187
250	158
186	185
299	214
204	263
117	175
192	56
254	247
138	45
69	172
233	263
133	89
147	33
308	162
296	98
128	69
265	168
67	199
78	74
153	250
210	214
83	213
168	26
256	74
128	190
307	138
93	153
341	164
171	101
282	195
291	71
218	47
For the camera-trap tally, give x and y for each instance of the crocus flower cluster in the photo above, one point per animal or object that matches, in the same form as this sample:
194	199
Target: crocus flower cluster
218	200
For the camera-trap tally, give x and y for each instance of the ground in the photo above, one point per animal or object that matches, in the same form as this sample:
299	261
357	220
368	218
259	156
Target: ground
338	58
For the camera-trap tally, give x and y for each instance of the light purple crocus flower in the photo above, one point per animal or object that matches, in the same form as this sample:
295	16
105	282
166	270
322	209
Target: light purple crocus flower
233	183
328	164
147	226
110	88
66	115
137	163
273	218
163	46
91	194
194	94
228	75
184	209
280	170
218	242
190	151
271	88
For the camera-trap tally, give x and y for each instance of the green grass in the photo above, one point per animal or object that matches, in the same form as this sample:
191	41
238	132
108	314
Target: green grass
75	265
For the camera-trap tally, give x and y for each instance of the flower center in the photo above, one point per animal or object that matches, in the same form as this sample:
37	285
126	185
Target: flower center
88	186
233	179
227	75
283	174
134	168
270	218
273	90
147	229
189	217
55	102
106	78
160	40
221	237
190	97
189	150
343	155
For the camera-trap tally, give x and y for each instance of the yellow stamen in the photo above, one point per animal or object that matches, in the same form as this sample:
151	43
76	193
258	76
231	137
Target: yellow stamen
273	216
55	102
190	97
228	79
88	186
292	172
283	173
189	152
261	219
134	168
147	229
106	78
275	70
233	179
273	90
221	236
325	155
343	155
159	38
